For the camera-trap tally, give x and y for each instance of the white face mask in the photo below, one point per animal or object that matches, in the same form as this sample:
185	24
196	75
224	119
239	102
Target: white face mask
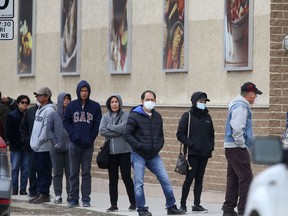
149	105
201	106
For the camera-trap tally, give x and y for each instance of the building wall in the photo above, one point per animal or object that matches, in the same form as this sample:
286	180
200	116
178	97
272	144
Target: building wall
205	69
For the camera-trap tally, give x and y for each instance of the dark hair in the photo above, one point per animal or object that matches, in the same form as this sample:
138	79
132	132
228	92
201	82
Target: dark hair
147	91
21	97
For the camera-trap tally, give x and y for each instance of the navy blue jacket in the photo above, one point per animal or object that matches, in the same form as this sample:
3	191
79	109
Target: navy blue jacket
82	123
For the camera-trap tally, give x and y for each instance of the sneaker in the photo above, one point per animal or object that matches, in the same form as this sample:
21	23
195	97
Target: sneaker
73	203
173	210
183	208
31	198
132	207
199	208
144	213
23	192
41	199
58	200
86	204
113	208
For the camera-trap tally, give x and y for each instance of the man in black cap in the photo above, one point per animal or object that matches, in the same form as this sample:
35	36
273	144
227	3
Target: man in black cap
238	138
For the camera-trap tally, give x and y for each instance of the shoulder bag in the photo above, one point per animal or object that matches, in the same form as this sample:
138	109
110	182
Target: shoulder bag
182	163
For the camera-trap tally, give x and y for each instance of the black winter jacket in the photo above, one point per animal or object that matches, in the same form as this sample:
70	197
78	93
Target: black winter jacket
201	139
144	133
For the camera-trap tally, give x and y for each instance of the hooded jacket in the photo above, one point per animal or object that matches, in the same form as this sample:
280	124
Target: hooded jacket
82	123
109	129
39	141
55	130
144	133
201	136
239	130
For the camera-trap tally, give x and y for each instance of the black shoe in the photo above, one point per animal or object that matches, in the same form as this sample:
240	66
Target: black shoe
31	199
233	213
132	207
183	208
173	210
15	192
144	213
23	192
113	208
199	208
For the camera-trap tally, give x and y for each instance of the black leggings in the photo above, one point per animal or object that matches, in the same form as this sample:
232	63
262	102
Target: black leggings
198	165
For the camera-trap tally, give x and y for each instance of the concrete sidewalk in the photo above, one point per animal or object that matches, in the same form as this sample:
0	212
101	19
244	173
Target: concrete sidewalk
154	199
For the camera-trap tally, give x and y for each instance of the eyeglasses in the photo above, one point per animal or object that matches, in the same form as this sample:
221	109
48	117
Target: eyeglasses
24	102
39	95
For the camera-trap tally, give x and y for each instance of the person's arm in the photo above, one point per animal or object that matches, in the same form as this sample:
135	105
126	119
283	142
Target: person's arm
10	135
96	121
43	134
118	129
50	128
238	124
103	128
182	130
129	133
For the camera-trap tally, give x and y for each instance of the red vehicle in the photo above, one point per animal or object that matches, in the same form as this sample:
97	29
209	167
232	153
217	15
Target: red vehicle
5	180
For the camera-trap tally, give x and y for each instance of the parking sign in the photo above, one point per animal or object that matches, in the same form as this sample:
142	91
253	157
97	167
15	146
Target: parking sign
6	8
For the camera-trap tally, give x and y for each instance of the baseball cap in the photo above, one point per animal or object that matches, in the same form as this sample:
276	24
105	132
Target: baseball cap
44	91
250	87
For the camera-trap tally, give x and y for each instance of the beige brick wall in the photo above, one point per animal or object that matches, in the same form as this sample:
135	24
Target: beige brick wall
215	177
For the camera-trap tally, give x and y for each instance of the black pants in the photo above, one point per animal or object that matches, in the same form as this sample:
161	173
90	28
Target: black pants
198	165
239	177
124	162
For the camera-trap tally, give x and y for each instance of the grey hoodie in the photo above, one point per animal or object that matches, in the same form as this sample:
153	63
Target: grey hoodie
39	141
109	129
55	130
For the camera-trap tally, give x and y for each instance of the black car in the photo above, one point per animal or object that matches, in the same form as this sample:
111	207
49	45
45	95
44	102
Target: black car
5	180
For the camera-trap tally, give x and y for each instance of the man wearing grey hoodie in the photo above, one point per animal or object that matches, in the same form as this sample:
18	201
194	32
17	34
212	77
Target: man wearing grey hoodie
41	145
238	138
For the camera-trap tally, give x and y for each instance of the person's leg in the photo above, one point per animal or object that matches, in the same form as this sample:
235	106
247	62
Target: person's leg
198	185
156	166
44	172
57	163
231	195
86	159
25	162
113	179
75	160
125	168
32	176
245	176
138	164
188	180
67	171
15	166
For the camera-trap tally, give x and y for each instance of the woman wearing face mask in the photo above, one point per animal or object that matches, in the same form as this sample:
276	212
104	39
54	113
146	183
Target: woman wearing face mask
199	146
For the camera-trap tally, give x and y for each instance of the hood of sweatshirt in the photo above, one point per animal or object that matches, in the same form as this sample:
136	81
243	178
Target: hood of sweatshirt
119	100
239	99
60	100
81	84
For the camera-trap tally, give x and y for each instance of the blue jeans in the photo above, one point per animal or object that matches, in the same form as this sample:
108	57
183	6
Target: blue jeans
20	161
156	166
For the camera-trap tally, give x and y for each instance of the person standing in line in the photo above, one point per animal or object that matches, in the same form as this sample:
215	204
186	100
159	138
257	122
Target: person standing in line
19	153
144	133
81	120
26	131
41	145
60	144
112	127
237	142
199	145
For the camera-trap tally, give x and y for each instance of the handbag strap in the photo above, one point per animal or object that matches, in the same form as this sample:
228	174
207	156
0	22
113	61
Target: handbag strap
188	132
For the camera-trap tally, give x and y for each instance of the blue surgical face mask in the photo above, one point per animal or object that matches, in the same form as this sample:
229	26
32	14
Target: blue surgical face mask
201	106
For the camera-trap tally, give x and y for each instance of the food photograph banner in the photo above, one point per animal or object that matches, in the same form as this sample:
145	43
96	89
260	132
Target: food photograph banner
175	41
69	38
25	46
238	34
119	36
